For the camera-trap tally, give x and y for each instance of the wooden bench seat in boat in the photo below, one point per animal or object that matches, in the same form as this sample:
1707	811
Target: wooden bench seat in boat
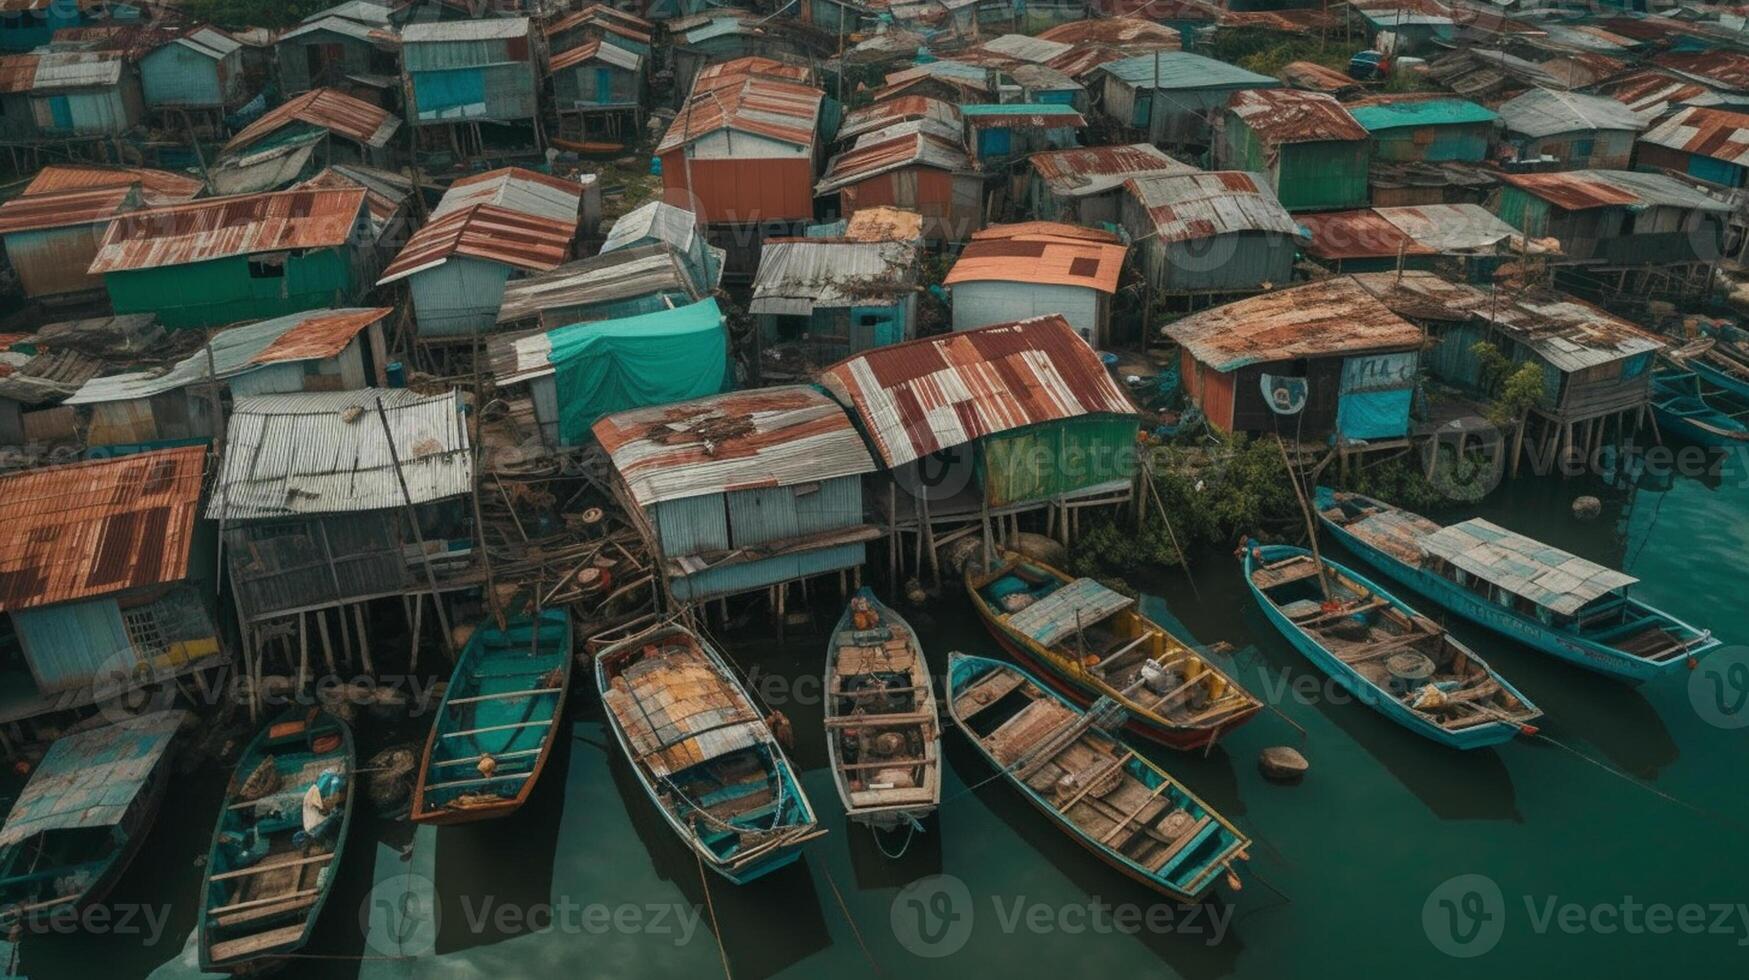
232	949
1290	570
271	908
989	689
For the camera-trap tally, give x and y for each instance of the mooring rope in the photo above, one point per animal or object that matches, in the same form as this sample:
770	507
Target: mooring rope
909	833
710	906
851	920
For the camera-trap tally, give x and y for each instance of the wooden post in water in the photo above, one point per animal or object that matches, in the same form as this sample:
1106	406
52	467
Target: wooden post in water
1306	512
418	536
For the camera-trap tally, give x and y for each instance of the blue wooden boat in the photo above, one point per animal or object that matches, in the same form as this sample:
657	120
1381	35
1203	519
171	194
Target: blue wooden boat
495	728
1390	657
1686	411
883	737
1538	595
703	753
1122	808
1719	361
81	819
280	839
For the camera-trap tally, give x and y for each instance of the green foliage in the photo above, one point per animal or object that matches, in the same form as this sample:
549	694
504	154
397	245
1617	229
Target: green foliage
252	13
1515	389
1265	52
1492	365
1113	546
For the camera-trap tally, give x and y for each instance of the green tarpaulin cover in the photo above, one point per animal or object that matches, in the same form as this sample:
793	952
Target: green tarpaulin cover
654	359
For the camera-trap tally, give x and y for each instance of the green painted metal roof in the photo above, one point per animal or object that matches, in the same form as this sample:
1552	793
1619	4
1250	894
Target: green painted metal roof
1183	70
1434	112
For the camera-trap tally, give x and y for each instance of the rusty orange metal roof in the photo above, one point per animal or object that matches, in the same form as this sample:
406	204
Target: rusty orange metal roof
899	109
911	149
1729	69
1116	31
1286	115
17	73
99	527
1649	91
157	187
323	334
63	209
1715	133
485	231
324	108
1314	77
607	18
225	226
748	103
1091	169
921	396
1041	252
1571	190
1327	317
726	72
1357	234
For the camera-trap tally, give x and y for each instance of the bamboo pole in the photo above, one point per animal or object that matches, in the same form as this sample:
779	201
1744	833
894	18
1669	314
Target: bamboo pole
418	536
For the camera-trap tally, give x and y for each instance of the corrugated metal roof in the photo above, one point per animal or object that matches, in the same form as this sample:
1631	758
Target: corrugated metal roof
209	41
345	27
1113	31
61	209
1005	115
1189	206
1311	76
1713	133
387	191
1547	576
605	17
363	11
1087	170
922	396
796	275
1427	229
156	186
1328	317
89	780
1362	233
1167	70
57	70
97	527
326	453
656	219
1037	50
943	131
1727	69
916	149
766	437
1420	112
729	72
473	29
762	106
590	50
1578	190
1041	252
607	278
324	108
1043	78
1543	112
899	109
884	224
226	226
1650	93
309	335
1286	115
514	216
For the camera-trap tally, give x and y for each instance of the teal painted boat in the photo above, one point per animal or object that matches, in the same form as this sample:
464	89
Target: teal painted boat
1686	410
81	819
1390	657
703	753
883	736
1720	361
494	731
279	843
1123	809
1541	596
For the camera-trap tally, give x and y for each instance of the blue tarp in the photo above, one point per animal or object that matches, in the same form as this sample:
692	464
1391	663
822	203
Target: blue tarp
1374	414
658	358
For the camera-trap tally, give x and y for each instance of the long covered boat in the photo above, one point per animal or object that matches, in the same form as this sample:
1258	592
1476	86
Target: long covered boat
1089	642
1544	597
703	753
1122	808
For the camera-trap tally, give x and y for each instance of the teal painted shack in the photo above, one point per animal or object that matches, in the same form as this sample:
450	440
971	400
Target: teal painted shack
820	300
625	282
200	69
106	576
1617	216
471	71
219	261
1312	151
744	491
576	374
1701	141
1171	96
1000	132
599	88
1427	130
340	47
488	228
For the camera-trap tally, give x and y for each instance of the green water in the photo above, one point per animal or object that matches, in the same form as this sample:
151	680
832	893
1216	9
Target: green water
1343	870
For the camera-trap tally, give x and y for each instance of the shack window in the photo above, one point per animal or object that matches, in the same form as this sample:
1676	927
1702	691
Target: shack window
267	267
1582	149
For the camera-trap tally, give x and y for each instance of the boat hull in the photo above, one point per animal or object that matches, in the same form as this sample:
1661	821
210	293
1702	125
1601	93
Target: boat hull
1723	379
1449	596
1474	737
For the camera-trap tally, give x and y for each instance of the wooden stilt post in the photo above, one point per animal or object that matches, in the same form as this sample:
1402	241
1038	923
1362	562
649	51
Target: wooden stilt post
418	621
418	536
303	653
363	639
327	644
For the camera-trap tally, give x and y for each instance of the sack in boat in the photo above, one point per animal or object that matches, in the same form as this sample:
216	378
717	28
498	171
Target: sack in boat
264	780
1017	601
1430	698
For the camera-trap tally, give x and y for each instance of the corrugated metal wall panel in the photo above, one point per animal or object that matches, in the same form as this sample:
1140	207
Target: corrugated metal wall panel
981	304
1322	176
836	504
55	261
545	391
1230	263
458	297
762	515
223	291
269	379
174	75
692	525
747	576
67	645
1044	461
741	191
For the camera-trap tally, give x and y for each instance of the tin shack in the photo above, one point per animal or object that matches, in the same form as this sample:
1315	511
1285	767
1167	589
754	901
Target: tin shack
1708	143
1571	130
907	166
1615	216
1170	96
460	74
1312	151
660	222
52	230
1084	185
300	136
1428	130
1016	272
352	47
820	300
1209	233
200	69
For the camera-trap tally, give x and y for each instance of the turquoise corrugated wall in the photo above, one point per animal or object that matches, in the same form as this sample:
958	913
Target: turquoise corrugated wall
68	644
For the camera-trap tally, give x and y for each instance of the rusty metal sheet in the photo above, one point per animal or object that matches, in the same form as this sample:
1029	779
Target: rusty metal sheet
1714	133
323	108
1285	115
1325	318
61	209
1041	252
226	226
157	187
321	335
749	103
1092	169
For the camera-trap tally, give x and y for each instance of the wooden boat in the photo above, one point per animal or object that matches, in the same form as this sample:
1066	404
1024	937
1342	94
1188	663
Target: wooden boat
280	838
1089	642
496	725
1725	365
703	753
1115	803
82	817
1687	411
1390	657
883	736
1541	596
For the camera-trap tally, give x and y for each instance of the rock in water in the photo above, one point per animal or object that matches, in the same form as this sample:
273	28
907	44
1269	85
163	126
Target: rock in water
1587	508
1282	764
